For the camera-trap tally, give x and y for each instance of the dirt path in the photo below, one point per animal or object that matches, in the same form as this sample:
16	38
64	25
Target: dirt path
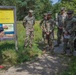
45	65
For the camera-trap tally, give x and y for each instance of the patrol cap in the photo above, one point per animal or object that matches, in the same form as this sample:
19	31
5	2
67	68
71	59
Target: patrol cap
49	13
63	8
44	14
31	11
70	12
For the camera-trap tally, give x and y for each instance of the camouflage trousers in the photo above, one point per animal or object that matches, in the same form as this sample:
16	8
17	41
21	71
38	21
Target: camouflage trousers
29	37
44	35
75	43
49	40
59	35
69	43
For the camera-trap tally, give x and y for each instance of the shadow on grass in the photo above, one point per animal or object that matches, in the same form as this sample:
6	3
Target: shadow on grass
5	46
1	58
41	45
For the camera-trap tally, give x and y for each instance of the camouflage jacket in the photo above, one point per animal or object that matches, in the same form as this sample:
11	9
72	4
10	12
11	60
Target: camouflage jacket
49	25
61	19
28	21
42	23
70	25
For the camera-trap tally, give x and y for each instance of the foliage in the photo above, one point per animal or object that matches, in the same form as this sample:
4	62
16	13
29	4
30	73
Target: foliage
72	67
42	6
8	55
39	7
69	4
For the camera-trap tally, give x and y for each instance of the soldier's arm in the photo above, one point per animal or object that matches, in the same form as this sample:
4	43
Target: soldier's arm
34	21
73	26
41	23
56	22
24	22
64	26
53	24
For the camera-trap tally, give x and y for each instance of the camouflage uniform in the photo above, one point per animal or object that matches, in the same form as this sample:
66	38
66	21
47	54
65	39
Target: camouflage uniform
60	19
49	27
69	27
42	23
28	24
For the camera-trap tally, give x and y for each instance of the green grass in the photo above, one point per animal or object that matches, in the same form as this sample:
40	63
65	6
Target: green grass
8	55
72	67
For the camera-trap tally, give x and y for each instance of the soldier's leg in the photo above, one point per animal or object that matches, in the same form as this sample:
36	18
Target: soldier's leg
51	43
71	43
26	43
42	35
46	39
31	38
51	46
65	45
75	44
53	34
58	36
60	32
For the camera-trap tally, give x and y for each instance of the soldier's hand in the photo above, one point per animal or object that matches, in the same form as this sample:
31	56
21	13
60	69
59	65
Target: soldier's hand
45	30
66	33
47	33
50	31
60	27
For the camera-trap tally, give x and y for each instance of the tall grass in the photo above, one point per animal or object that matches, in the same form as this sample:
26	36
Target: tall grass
8	55
7	48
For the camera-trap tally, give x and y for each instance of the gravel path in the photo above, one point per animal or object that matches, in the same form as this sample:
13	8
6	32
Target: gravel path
47	64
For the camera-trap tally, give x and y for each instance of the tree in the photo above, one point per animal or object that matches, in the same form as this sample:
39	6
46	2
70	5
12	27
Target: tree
39	7
69	4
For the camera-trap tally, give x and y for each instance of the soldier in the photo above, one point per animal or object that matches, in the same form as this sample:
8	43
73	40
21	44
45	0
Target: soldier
69	27
49	27
42	23
28	23
60	21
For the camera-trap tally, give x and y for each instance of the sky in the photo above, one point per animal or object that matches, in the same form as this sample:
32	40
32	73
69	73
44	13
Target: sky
55	1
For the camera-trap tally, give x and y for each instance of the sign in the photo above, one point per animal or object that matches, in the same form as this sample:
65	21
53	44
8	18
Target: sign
8	23
7	16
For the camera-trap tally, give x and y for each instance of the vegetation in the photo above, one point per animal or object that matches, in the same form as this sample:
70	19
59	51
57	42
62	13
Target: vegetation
68	4
7	51
8	55
72	67
39	7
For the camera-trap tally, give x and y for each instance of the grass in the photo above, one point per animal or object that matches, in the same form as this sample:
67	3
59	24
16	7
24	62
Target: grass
8	55
72	67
